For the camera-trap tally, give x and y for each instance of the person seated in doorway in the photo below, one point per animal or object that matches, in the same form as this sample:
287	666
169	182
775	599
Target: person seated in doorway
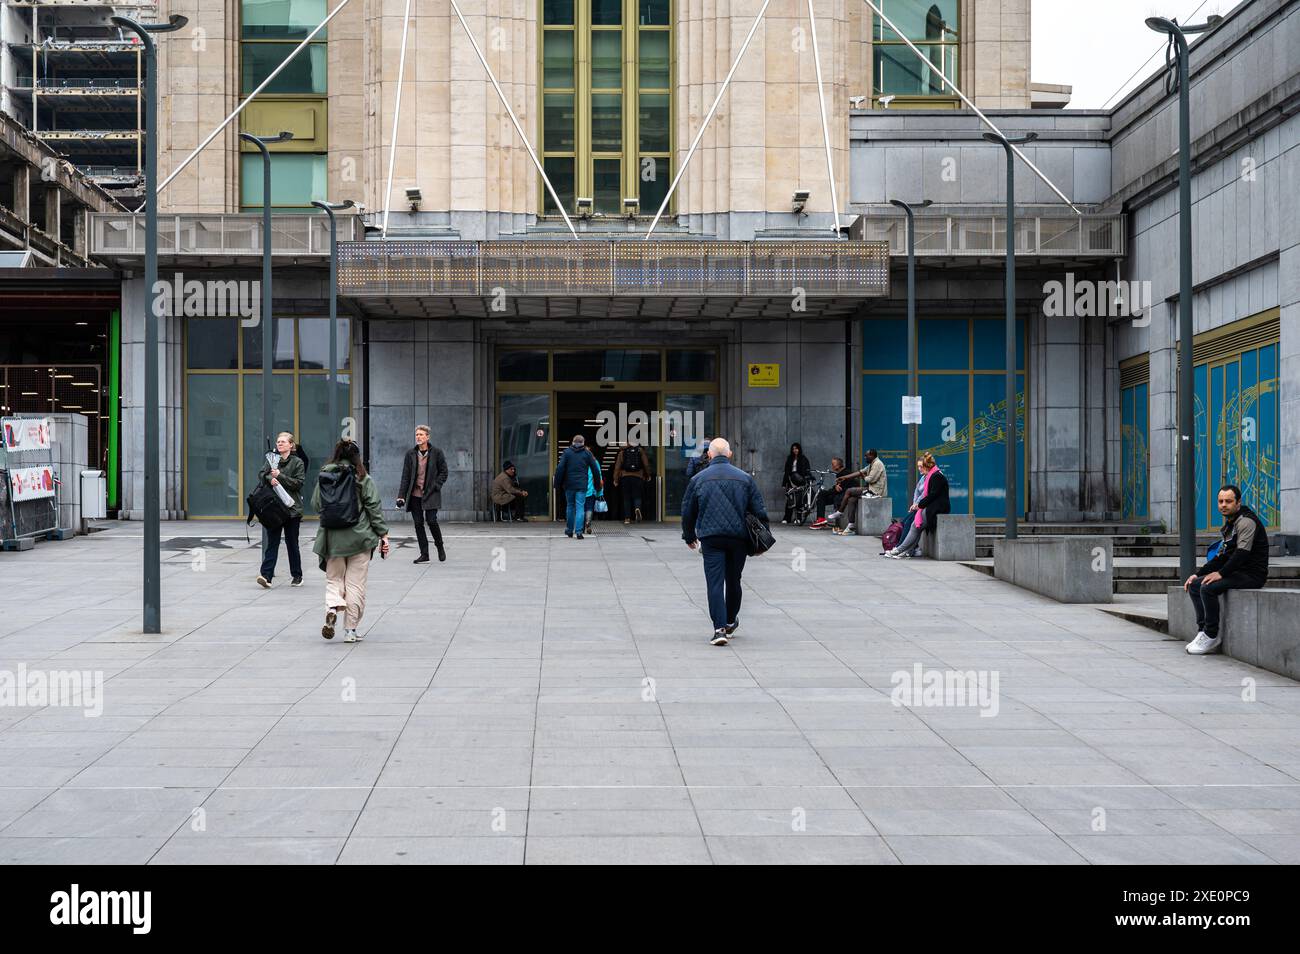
1241	563
507	494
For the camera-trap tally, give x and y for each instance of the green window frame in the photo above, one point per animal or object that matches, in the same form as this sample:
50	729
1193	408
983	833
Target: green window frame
606	124
268	31
934	26
223	378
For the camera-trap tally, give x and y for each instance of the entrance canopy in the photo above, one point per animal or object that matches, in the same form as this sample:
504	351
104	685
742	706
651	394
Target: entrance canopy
611	278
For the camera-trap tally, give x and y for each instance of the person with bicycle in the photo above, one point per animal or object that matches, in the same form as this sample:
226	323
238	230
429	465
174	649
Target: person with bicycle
797	473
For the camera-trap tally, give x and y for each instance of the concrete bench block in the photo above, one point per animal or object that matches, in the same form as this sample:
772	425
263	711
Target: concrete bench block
1258	627
1075	569
873	516
953	537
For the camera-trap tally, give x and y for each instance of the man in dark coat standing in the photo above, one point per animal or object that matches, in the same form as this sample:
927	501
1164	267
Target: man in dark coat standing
423	473
571	478
713	518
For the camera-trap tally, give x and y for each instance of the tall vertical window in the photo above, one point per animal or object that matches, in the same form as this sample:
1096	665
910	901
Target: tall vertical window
895	69
607	102
224	444
294	101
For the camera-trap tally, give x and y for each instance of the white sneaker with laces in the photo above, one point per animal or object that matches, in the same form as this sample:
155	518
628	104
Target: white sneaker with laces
1204	644
350	636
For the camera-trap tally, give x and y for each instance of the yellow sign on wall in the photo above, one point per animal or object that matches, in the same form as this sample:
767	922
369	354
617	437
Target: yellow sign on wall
764	375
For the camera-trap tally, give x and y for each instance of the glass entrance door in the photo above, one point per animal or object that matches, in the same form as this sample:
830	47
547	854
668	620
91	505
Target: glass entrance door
525	441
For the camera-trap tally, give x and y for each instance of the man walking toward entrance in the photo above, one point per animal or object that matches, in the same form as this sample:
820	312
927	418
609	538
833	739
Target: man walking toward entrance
632	471
713	518
576	463
1241	563
423	473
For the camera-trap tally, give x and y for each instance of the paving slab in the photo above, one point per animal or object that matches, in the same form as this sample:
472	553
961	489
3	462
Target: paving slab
571	710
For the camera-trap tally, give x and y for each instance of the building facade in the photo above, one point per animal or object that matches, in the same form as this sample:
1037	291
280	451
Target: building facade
752	312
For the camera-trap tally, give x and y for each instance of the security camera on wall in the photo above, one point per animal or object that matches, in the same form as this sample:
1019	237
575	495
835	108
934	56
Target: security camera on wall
799	201
586	207
857	102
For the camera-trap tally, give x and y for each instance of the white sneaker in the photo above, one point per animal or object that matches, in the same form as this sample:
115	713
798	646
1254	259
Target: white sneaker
1204	644
350	636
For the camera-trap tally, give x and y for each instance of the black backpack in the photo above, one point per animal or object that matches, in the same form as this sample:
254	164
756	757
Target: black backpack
632	459
339	505
267	507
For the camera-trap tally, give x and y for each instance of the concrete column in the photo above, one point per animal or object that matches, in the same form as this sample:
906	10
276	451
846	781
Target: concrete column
171	360
22	200
80	230
53	216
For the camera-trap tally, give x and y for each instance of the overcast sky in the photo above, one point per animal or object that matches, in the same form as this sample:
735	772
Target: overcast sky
1096	45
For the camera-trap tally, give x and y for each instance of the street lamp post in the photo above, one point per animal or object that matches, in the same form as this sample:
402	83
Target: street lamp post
329	208
268	321
1012	503
912	387
152	529
1186	381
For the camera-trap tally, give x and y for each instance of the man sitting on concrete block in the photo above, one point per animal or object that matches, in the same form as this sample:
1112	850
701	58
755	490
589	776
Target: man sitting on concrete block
1240	563
844	517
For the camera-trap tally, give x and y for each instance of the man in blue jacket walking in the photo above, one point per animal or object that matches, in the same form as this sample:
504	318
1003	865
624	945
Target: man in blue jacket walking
571	477
713	518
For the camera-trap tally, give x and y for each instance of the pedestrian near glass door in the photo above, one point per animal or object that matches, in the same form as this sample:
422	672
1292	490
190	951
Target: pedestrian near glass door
285	470
424	471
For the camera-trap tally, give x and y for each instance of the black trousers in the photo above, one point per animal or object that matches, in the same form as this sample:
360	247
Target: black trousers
514	509
1205	597
271	548
724	561
825	498
416	506
633	488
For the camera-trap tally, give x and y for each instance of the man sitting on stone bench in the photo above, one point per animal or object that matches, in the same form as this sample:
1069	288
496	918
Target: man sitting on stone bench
1240	564
844	518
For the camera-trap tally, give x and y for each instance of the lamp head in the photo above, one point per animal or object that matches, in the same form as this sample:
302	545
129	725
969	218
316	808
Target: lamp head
1162	25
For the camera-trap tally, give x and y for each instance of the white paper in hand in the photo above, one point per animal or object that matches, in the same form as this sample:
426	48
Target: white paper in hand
283	495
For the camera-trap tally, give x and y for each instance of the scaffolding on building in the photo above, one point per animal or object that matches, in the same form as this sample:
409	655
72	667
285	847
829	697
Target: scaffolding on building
75	81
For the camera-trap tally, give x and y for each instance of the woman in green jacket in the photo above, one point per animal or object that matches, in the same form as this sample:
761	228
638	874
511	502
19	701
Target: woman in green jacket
345	552
290	473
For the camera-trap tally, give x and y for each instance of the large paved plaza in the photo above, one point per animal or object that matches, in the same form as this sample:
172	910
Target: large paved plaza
538	700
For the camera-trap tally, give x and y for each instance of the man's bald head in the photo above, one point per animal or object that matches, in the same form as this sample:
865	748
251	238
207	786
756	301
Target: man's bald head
718	447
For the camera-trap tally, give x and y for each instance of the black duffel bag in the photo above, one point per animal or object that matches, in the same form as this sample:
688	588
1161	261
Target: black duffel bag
760	537
267	507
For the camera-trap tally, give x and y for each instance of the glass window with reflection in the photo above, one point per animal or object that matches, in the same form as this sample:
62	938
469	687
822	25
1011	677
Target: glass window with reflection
607	109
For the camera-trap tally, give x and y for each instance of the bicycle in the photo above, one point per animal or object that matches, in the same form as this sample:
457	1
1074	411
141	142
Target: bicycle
802	498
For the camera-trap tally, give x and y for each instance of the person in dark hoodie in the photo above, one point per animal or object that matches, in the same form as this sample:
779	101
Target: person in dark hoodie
1240	564
571	477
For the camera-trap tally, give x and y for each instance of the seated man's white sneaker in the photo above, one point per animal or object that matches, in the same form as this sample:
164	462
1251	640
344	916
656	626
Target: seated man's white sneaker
1204	644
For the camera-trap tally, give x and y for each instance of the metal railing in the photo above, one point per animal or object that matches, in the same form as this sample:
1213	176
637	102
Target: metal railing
117	235
972	231
605	268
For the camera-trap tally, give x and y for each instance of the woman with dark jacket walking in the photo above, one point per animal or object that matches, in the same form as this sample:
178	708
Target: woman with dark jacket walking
797	473
932	502
290	473
345	552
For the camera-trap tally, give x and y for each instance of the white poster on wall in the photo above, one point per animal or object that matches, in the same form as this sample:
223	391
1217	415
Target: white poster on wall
26	433
31	483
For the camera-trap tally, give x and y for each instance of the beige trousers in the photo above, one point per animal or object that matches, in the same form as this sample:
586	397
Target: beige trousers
345	585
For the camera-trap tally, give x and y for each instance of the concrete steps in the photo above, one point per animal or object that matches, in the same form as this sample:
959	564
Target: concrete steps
1155	578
